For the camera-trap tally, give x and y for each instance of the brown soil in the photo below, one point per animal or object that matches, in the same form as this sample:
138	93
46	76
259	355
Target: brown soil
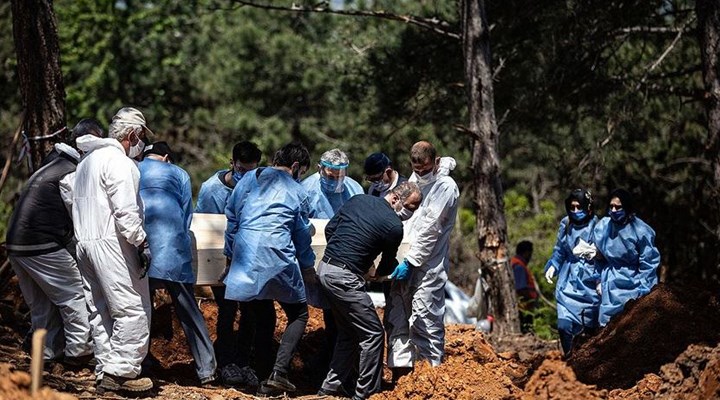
665	360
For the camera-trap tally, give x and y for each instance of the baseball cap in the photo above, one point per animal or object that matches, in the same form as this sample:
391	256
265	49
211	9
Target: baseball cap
161	149
130	115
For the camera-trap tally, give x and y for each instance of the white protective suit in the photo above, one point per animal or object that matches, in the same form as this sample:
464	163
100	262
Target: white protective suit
108	219
416	330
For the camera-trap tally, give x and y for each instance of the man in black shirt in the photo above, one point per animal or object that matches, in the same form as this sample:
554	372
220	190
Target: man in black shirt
363	228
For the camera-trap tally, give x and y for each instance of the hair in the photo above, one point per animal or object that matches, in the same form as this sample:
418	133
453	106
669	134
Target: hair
406	189
246	152
523	247
335	157
626	198
291	153
121	130
422	152
87	126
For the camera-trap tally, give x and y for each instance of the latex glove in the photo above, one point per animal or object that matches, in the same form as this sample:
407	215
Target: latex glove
549	274
309	275
598	289
145	259
402	271
585	250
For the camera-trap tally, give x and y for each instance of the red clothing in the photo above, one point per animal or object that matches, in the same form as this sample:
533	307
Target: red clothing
528	289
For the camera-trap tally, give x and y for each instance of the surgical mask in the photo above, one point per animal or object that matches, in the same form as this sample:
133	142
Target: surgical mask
404	214
236	175
137	149
618	216
331	185
379	186
578	216
426	179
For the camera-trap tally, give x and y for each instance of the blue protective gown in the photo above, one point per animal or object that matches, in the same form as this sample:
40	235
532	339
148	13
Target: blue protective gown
324	205
577	299
167	195
267	238
213	194
629	268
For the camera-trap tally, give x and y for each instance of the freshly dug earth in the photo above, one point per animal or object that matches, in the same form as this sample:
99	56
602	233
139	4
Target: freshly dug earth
476	367
15	385
651	331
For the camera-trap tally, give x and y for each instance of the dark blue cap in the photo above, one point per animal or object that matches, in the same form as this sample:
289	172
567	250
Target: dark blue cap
376	163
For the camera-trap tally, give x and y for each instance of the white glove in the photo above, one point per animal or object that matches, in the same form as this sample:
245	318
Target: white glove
549	274
598	289
585	250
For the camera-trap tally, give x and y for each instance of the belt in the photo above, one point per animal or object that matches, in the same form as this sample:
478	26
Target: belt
335	262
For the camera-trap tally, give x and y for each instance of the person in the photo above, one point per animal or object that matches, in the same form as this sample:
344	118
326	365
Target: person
626	256
212	199
268	240
41	252
524	284
362	229
108	221
167	196
416	330
330	187
381	175
577	300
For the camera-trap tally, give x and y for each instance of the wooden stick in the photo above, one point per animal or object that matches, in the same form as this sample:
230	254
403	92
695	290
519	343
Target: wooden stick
36	364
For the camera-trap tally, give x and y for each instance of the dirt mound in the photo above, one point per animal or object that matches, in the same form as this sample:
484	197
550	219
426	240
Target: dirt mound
652	331
556	380
16	385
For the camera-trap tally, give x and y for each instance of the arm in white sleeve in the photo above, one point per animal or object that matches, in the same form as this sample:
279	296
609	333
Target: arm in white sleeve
121	180
67	186
432	219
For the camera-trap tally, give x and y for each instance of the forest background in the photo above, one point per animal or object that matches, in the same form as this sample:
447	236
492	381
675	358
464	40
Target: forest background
593	94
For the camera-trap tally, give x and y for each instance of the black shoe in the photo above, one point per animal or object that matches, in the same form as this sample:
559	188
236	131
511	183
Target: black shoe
114	383
333	393
87	361
209	380
279	382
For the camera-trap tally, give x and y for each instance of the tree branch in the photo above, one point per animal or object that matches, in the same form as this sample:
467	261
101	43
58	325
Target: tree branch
664	54
432	24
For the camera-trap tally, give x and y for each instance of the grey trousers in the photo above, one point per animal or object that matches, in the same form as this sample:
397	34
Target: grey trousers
193	324
360	338
53	289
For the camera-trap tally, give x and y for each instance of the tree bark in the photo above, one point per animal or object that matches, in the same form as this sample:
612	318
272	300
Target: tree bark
491	225
39	75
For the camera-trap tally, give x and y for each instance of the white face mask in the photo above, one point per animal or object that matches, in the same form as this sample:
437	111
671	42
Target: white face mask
379	186
426	179
404	214
136	149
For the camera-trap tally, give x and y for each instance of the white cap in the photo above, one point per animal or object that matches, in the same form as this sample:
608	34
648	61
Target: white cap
132	116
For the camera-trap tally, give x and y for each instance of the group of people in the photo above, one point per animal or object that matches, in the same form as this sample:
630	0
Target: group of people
107	219
600	264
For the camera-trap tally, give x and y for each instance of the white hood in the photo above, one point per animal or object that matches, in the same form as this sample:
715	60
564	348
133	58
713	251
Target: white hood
88	143
64	148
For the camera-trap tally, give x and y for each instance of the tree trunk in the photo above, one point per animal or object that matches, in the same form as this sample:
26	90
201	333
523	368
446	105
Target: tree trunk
708	14
491	225
40	78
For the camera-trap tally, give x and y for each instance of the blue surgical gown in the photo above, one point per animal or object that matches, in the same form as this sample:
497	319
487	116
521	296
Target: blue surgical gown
267	238
213	194
577	299
167	195
324	205
629	268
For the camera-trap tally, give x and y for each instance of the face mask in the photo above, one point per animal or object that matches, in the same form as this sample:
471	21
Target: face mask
379	186
618	216
330	185
404	214
237	176
136	149
426	179
296	175
578	216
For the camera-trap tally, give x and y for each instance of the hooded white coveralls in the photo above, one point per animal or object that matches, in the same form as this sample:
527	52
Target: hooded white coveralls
107	213
416	330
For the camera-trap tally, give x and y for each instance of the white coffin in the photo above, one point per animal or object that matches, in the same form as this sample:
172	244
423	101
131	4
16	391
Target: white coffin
208	241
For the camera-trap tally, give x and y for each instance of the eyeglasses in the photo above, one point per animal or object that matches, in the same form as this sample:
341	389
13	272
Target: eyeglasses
374	178
616	207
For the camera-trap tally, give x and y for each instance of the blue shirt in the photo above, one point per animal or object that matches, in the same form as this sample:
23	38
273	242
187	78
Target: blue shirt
213	194
324	205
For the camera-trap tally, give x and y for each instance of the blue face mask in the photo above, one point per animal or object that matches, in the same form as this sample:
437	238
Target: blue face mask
331	185
578	215
618	216
237	176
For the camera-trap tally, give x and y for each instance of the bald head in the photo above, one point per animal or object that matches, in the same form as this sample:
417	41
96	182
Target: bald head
422	151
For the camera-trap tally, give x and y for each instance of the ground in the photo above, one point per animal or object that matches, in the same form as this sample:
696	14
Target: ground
665	345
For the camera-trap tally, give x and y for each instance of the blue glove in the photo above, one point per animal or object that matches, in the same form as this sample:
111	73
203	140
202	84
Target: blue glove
402	271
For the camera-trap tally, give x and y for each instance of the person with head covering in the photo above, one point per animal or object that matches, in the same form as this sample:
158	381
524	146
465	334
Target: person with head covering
40	248
267	241
524	284
330	187
232	354
108	219
577	299
167	196
626	256
420	278
381	175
